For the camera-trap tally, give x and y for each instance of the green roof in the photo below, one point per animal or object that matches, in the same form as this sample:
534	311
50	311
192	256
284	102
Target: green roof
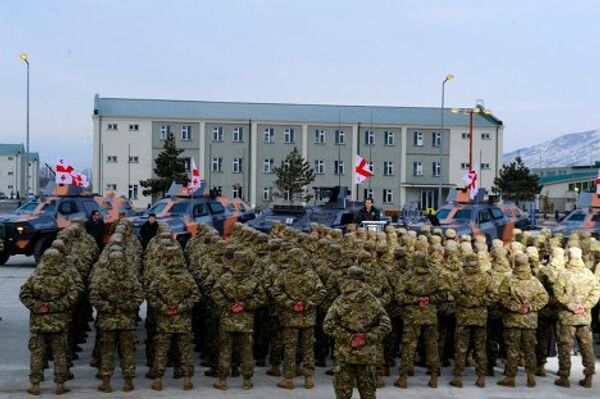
11	149
547	180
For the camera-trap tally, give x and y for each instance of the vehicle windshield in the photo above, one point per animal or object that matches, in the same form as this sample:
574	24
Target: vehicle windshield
157	208
576	217
50	207
27	208
461	214
178	208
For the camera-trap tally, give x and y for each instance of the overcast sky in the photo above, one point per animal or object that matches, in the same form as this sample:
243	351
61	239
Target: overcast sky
535	63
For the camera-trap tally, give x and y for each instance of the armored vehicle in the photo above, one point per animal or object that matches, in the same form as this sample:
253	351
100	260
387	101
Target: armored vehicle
585	218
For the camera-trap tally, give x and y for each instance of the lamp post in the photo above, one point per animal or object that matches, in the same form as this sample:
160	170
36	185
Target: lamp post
448	77
25	57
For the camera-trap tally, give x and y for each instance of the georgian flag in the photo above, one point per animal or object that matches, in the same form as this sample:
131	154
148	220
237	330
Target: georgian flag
63	172
80	180
362	171
195	177
470	180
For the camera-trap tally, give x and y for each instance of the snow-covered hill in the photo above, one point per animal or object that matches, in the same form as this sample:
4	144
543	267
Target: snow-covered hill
568	150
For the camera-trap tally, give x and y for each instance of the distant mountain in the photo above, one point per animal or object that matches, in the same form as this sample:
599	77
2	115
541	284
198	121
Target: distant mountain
568	150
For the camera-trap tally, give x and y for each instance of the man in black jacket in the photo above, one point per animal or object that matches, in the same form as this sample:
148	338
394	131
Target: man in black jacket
148	230
95	227
367	213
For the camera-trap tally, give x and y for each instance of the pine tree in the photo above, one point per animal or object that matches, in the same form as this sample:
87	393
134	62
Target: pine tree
168	167
293	175
516	183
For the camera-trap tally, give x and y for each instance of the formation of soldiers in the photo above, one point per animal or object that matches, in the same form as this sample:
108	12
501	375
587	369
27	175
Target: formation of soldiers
294	299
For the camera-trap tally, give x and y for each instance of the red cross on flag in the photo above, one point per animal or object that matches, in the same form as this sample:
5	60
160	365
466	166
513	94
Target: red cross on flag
470	180
63	172
194	178
597	181
362	171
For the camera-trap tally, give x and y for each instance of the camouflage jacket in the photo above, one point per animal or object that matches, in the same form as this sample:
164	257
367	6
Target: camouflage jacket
413	286
473	293
576	286
293	286
245	288
54	287
112	289
173	287
515	292
357	311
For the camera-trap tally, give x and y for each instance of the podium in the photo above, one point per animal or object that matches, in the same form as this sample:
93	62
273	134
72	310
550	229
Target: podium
374	225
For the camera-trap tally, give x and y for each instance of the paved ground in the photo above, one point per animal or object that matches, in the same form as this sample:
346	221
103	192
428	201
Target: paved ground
14	362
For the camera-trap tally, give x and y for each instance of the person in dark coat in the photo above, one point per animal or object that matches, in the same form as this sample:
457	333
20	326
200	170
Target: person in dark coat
95	227
367	213
148	230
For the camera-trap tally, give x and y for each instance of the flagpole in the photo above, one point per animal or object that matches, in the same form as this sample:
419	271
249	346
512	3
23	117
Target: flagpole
370	146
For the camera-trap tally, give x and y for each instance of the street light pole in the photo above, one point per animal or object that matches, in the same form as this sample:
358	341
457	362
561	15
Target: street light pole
25	58
448	77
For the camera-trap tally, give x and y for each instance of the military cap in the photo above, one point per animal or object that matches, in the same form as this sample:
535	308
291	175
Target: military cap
521	259
59	245
575	253
116	256
356	273
296	254
450	234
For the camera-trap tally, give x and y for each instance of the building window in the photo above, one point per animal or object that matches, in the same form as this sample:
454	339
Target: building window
236	166
485	166
238	134
319	136
217	134
486	136
269	135
134	159
133	191
111	187
186	133
436	169
319	167
369	137
436	139
111	158
237	192
340	137
11	158
389	137
165	131
418	139
267	193
10	173
367	193
113	126
217	164
338	167
388	195
464	165
134	128
417	169
10	186
388	168
465	136
268	165
288	136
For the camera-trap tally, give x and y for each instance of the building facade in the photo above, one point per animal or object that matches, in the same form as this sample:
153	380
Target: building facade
237	146
562	185
19	174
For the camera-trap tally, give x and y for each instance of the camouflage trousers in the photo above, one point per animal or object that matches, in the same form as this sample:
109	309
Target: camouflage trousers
346	376
276	349
495	341
150	325
463	337
410	339
545	331
323	343
243	345
210	329
519	341
583	334
125	341
446	329
263	333
39	345
304	339
162	343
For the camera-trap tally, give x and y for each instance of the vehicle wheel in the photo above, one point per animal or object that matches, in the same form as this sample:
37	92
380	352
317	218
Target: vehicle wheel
4	258
41	246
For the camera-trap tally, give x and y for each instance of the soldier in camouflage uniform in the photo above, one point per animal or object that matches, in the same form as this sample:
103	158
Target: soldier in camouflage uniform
298	292
49	294
522	296
419	293
576	290
473	293
237	294
358	323
450	270
172	294
117	293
